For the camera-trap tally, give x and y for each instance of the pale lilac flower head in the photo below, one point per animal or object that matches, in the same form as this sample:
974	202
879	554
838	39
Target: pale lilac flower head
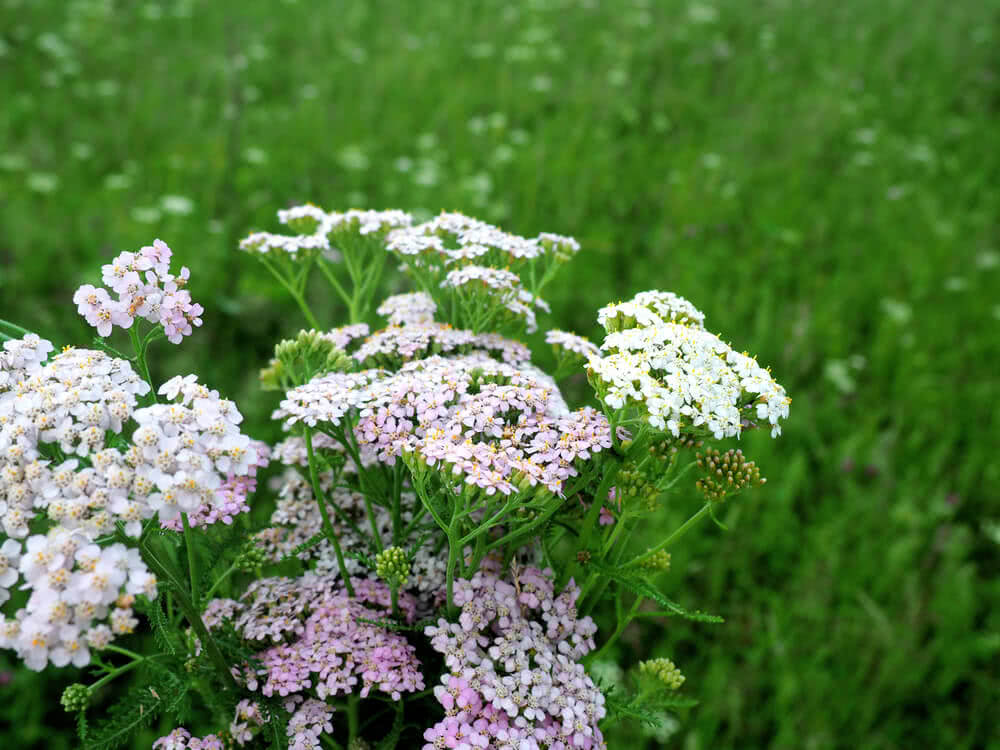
144	288
514	677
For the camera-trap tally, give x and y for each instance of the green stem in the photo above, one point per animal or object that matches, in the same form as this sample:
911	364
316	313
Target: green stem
112	675
193	617
454	553
293	291
622	624
328	273
124	652
192	559
219	581
327	526
352	718
681	530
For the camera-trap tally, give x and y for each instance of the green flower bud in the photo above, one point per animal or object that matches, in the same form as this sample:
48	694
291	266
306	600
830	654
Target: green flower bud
659	561
392	566
726	474
250	557
662	670
75	698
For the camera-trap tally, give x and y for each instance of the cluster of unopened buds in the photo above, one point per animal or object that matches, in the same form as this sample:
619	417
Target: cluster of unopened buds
726	473
146	289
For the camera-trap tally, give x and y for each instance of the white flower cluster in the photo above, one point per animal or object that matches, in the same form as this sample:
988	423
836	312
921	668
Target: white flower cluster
21	356
572	343
292	244
650	309
408	309
456	239
78	405
679	374
72	402
81	597
314	228
183	451
391	346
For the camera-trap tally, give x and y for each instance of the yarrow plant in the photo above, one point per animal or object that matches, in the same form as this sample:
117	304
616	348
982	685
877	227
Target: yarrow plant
445	531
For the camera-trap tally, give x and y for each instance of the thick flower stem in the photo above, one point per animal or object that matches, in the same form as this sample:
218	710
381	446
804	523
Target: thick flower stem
193	617
327	526
352	718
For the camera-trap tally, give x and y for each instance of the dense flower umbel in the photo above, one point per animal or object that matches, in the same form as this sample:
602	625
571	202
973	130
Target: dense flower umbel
181	739
316	228
453	239
323	639
571	343
145	289
680	375
406	309
514	679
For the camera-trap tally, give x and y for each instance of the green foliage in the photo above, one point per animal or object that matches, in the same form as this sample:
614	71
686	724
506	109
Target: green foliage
634	580
817	178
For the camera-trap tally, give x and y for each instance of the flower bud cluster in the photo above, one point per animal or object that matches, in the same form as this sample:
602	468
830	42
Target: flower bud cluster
392	566
514	678
726	473
145	289
298	360
636	487
679	375
658	562
663	671
75	697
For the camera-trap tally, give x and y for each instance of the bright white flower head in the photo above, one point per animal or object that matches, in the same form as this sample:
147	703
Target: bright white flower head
678	373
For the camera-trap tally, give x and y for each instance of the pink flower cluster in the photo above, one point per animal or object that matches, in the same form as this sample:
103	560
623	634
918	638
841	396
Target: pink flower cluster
514	680
145	289
333	647
181	739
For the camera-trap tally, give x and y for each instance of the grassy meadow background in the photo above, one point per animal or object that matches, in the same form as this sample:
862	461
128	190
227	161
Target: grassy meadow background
821	177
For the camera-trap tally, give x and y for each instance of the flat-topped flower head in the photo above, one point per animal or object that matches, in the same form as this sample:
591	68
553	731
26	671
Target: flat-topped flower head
393	346
408	309
648	310
514	677
680	375
297	245
456	239
571	343
364	222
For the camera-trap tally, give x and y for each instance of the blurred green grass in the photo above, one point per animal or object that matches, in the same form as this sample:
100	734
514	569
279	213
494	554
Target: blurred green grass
821	178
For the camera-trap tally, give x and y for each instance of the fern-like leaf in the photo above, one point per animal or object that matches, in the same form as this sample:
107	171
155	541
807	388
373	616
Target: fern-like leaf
631	580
